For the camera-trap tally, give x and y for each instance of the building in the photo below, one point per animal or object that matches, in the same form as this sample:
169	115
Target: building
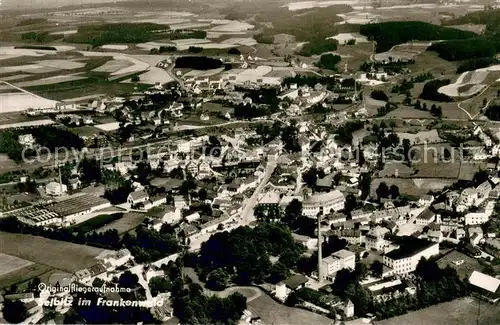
27	140
405	259
115	258
36	216
425	217
138	197
77	208
293	283
348	308
374	239
476	218
323	203
55	189
342	259
486	286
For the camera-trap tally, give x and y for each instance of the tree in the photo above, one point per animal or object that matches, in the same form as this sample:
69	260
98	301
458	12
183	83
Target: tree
350	203
406	150
394	191
383	191
135	78
377	268
14	312
278	272
128	280
393	139
217	280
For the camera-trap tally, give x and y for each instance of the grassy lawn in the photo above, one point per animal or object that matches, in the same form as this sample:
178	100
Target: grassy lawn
24	274
96	223
128	222
464	270
457	312
56	254
273	312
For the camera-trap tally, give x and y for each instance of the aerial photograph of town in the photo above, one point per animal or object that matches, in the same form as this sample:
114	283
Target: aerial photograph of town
237	162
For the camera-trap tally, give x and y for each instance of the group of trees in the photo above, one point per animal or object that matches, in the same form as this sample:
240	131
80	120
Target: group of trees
98	35
434	285
493	112
386	109
264	39
476	63
242	255
48	137
430	91
465	49
39	37
388	34
344	132
329	61
318	47
435	110
192	306
379	95
384	192
163	49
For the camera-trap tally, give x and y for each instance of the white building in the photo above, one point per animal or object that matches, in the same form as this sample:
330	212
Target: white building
342	259
55	189
476	218
374	239
405	259
138	197
323	203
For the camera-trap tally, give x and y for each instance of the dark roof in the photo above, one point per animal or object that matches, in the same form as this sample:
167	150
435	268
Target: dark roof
97	269
409	246
295	281
427	214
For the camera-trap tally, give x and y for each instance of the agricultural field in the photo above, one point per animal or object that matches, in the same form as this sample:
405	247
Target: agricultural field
463	311
48	252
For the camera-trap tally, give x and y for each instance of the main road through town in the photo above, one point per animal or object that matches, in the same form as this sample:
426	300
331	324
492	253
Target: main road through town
246	217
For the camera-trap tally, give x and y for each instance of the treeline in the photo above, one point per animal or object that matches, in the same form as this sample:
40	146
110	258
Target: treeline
98	35
388	34
46	136
318	47
489	17
39	37
465	49
474	64
430	91
146	245
329	61
197	63
163	49
35	47
264	38
31	21
185	34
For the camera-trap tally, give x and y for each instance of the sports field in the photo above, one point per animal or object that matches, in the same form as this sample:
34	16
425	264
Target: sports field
55	254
